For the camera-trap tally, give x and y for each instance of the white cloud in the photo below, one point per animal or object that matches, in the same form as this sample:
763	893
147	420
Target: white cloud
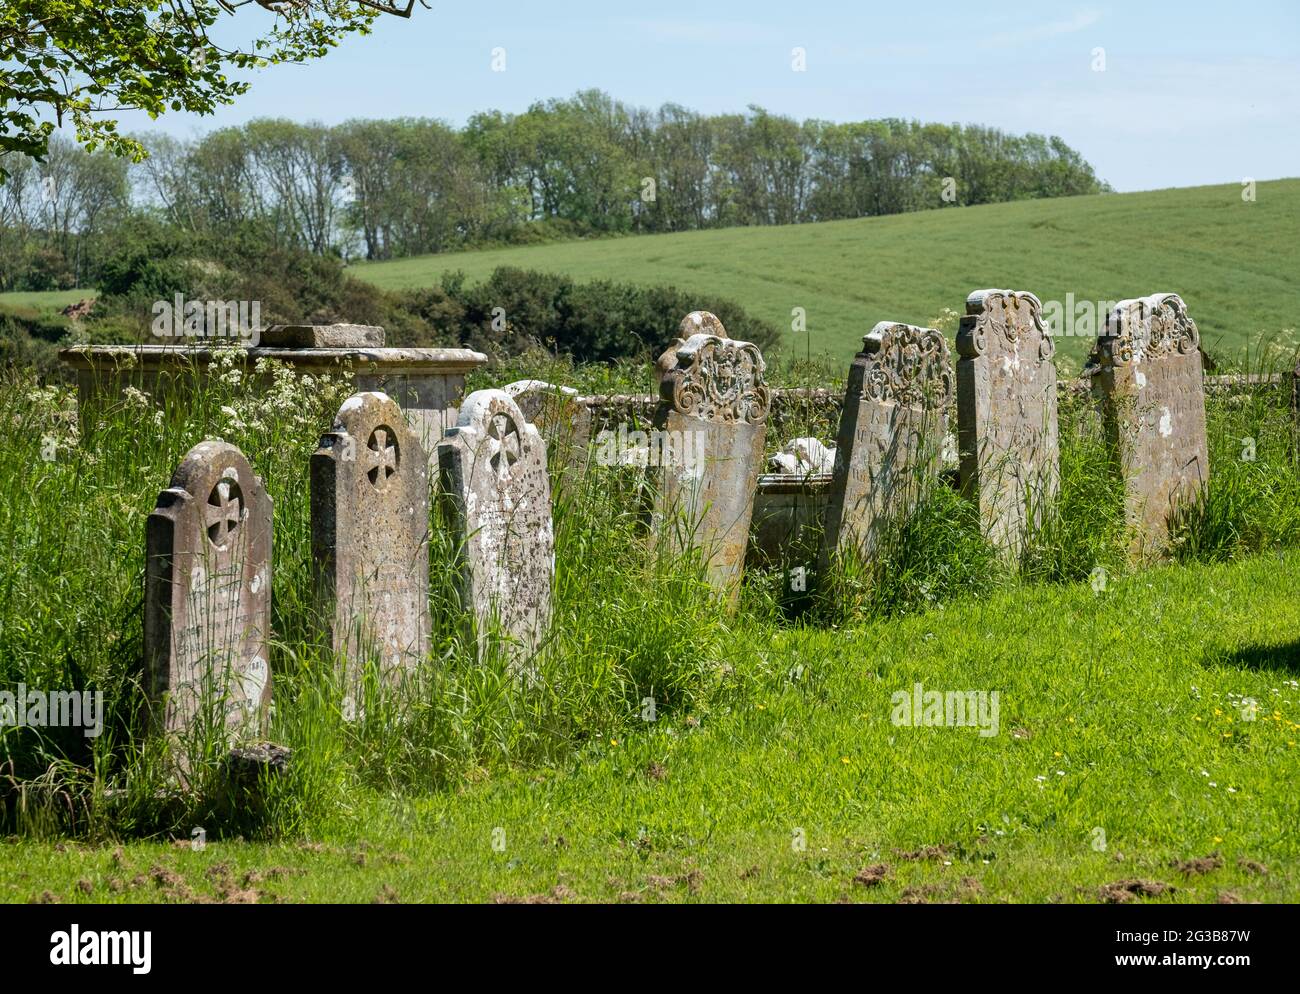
707	32
1042	32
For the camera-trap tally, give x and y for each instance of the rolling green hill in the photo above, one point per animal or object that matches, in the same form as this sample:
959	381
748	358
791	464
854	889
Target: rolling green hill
1235	263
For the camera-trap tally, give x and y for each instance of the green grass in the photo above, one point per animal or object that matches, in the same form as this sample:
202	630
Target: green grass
1120	711
43	302
1121	708
1233	262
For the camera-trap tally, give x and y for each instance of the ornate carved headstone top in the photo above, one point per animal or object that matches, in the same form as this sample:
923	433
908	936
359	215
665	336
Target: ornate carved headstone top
370	532
1011	319
717	379
493	469
208	595
906	365
1148	328
695	323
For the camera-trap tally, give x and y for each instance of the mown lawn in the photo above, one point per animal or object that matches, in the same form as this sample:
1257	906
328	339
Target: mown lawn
1233	262
1124	746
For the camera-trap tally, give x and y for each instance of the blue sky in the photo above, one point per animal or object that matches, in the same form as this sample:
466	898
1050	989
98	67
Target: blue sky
1191	92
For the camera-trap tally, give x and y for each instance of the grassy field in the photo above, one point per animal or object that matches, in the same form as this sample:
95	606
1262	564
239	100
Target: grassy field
1123	754
1235	263
44	302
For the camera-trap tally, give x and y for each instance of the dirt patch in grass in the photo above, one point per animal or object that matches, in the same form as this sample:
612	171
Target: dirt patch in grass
1124	891
1199	866
557	895
872	876
940	851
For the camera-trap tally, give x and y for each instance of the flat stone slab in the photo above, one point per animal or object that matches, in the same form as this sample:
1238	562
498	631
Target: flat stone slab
111	358
323	336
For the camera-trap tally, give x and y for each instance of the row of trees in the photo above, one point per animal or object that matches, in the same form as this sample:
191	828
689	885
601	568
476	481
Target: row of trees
587	165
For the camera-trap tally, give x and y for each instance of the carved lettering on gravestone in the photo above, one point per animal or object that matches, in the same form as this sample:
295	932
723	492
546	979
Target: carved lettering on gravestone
1006	412
370	538
714	402
1151	387
890	441
207	612
493	476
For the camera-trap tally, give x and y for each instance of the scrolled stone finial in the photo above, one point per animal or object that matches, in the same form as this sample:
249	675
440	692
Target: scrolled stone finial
714	377
908	365
1149	328
1006	315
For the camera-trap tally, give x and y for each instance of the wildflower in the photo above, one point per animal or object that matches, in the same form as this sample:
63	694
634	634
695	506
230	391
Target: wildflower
138	398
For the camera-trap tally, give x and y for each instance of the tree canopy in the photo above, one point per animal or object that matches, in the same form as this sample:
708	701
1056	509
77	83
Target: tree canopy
80	62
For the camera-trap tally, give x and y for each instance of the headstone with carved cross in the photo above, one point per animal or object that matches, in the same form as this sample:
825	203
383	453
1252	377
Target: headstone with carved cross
370	539
498	502
712	416
1006	413
890	442
207	605
1152	395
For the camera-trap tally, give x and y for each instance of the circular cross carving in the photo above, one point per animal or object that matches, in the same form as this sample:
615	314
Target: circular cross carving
509	447
224	511
384	456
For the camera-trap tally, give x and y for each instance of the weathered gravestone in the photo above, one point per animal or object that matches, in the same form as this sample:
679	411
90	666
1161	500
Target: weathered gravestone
1153	401
561	417
207	606
890	441
493	476
711	419
1006	412
370	538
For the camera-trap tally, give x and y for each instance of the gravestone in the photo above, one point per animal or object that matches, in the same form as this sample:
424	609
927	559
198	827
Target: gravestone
370	538
493	477
712	414
1006	412
890	441
561	417
1153	401
207	605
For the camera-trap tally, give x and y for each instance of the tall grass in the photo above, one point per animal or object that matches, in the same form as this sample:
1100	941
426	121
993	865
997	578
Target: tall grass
633	622
627	625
